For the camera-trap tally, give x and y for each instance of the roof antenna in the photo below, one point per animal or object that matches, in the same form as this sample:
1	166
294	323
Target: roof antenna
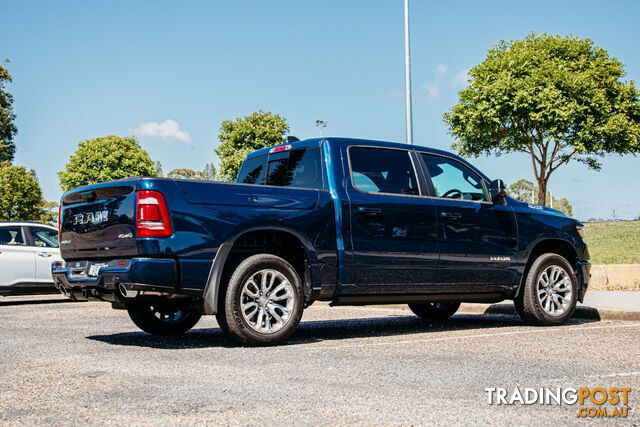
290	138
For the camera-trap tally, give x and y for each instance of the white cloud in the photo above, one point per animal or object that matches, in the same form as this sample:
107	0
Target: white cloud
440	70
432	90
168	130
460	79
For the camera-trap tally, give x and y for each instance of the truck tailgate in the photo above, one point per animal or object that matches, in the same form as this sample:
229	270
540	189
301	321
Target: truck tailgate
99	221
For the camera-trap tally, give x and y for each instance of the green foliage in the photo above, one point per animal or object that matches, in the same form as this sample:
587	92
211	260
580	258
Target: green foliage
106	159
522	189
7	119
208	174
555	98
240	136
613	242
20	194
49	213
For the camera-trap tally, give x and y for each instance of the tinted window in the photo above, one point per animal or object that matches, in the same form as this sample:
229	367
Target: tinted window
253	170
453	180
380	170
296	168
44	237
11	236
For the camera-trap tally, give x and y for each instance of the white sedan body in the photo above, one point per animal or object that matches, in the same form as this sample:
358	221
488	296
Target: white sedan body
26	252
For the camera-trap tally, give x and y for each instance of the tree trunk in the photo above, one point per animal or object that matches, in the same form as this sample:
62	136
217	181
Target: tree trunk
542	192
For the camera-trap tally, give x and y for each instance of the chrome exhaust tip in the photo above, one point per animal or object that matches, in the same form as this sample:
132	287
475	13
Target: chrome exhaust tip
126	292
63	290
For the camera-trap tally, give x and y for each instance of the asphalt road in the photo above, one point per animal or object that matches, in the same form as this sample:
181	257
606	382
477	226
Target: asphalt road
79	363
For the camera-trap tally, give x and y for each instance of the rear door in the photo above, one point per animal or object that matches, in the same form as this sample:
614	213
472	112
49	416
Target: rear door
17	261
44	243
393	229
477	239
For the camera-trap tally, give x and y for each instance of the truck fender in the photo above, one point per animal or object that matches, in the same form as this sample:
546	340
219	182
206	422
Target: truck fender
212	288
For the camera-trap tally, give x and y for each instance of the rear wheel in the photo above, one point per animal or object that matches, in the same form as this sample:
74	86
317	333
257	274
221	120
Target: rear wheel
549	294
263	302
164	317
435	310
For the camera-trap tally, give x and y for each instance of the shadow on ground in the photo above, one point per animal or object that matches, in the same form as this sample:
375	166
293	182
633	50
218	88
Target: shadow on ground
322	331
33	301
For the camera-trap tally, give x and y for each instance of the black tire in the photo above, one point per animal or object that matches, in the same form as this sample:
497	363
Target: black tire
163	318
435	310
241	326
533	308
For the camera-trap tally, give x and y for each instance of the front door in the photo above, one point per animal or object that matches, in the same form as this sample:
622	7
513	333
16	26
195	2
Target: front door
17	261
477	239
393	229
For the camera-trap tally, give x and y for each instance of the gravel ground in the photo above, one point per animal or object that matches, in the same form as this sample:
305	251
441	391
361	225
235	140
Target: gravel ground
84	363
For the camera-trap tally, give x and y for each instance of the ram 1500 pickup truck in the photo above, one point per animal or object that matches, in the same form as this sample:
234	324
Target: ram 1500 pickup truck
348	221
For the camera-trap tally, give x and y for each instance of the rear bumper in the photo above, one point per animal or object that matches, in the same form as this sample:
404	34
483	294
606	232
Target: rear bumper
584	275
136	274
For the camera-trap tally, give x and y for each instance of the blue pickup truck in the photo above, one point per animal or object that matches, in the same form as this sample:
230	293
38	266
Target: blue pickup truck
343	220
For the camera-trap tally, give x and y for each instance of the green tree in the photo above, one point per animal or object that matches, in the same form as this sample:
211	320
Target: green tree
563	205
522	189
555	98
7	119
49	213
240	136
106	159
184	173
20	194
209	172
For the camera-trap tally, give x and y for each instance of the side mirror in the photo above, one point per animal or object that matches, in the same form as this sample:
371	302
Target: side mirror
497	190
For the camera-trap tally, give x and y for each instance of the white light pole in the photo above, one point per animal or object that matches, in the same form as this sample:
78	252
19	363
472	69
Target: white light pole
407	74
321	124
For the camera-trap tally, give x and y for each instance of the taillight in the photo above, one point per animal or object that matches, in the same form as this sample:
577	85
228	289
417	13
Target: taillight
152	215
60	222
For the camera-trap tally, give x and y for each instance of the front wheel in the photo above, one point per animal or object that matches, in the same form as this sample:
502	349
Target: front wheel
263	302
163	317
550	292
435	310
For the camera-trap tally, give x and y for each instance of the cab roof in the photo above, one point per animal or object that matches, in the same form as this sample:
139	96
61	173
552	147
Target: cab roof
315	142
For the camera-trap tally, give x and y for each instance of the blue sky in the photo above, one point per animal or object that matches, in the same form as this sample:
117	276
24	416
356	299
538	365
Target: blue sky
86	69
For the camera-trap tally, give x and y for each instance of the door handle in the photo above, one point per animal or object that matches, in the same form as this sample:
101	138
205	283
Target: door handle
451	216
370	212
44	255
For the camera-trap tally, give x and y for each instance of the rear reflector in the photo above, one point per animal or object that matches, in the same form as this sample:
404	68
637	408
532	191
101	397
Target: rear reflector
152	215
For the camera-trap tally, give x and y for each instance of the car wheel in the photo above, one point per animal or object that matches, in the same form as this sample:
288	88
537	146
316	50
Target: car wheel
263	302
435	310
550	291
163	318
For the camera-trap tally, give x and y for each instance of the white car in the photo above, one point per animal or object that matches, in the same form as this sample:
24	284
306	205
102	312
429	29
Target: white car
27	250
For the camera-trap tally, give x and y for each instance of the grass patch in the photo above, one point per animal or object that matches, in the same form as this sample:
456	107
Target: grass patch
614	242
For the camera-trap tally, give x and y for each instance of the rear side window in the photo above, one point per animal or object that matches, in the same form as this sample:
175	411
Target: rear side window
381	170
253	170
296	168
44	237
